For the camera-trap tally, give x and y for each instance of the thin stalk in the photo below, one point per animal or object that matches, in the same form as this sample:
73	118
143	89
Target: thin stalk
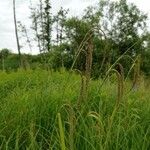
61	131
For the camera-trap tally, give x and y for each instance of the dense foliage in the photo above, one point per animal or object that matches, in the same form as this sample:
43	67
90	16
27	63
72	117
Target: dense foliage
39	111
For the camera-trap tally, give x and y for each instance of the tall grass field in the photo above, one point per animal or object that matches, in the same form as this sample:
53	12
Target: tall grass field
43	110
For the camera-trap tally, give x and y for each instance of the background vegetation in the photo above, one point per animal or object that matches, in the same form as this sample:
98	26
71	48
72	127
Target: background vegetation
118	28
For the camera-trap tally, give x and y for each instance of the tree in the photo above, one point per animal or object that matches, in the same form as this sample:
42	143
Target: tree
24	32
36	26
47	25
16	32
42	25
59	20
3	55
121	22
146	55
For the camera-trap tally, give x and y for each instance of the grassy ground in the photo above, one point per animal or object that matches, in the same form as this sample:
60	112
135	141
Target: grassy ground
38	110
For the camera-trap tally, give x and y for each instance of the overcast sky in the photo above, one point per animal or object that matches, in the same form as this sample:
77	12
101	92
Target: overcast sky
76	7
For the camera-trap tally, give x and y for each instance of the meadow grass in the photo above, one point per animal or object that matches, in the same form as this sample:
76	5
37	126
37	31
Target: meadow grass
38	110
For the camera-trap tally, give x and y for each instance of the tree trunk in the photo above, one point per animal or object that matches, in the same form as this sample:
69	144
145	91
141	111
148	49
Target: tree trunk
3	63
16	32
28	40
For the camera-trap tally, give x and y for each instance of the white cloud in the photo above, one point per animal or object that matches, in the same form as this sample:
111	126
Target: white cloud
142	4
76	7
